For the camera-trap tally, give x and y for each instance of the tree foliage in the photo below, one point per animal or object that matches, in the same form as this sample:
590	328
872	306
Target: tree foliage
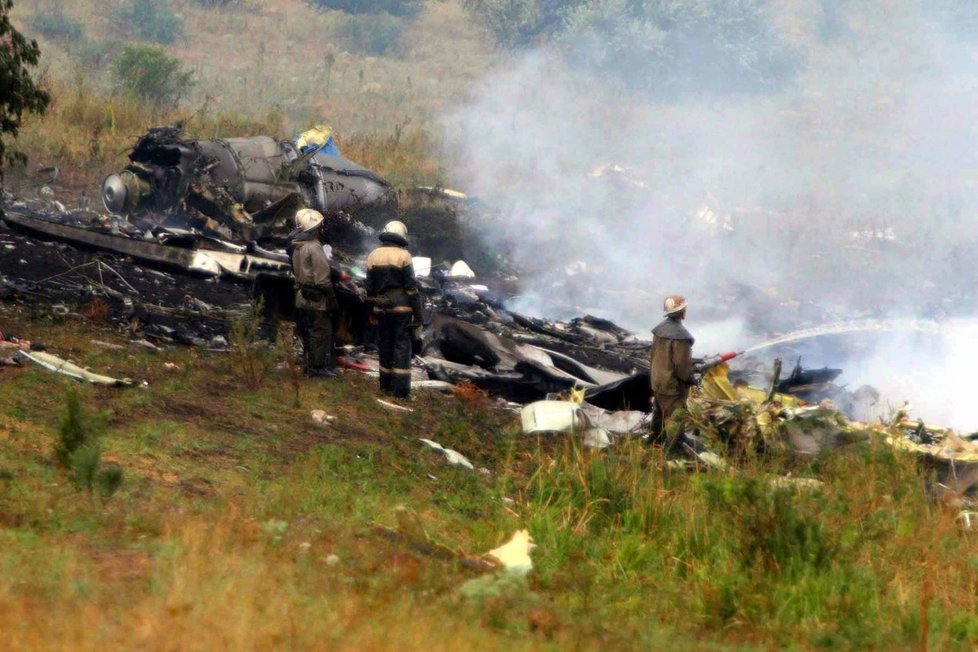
20	92
150	74
668	47
152	20
409	8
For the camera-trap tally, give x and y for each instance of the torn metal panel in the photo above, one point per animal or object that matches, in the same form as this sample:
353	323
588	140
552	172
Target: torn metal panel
205	262
630	393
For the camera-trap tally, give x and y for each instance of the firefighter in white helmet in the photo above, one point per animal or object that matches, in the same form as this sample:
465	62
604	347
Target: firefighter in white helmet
315	296
393	290
671	365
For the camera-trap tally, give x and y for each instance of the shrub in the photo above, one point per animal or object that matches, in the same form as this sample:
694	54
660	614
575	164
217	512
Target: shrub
73	433
152	20
149	73
407	8
372	35
77	449
54	24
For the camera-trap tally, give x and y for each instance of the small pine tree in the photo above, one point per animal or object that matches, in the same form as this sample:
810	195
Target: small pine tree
72	433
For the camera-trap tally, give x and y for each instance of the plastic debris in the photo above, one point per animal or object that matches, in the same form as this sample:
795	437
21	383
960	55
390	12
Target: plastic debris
514	555
452	456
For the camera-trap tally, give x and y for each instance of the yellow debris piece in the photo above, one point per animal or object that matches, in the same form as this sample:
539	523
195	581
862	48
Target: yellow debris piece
577	395
716	385
316	137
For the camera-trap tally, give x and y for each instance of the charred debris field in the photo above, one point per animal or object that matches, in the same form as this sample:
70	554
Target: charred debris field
511	502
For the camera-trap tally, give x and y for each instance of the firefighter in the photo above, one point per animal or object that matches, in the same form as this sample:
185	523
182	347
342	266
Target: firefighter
393	290
671	364
315	296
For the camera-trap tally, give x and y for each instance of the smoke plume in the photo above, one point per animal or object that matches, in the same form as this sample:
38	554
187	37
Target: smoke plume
846	192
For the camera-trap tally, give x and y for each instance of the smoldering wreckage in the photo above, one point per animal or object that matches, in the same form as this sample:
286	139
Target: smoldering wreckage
194	231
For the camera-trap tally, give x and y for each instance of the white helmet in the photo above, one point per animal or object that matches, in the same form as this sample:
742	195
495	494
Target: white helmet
674	304
308	218
396	228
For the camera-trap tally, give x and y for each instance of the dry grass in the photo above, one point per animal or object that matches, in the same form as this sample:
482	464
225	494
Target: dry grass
270	67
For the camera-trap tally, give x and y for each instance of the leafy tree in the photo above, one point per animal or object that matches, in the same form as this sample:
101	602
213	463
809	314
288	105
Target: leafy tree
19	92
522	22
672	47
152	20
667	47
152	75
408	8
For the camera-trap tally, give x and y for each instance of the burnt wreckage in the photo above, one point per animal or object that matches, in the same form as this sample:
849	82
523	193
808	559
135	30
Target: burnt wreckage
249	186
187	212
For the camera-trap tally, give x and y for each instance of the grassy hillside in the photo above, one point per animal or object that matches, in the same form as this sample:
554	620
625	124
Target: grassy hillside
276	65
241	524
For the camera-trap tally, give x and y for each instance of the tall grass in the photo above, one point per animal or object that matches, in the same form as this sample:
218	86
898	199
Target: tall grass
866	560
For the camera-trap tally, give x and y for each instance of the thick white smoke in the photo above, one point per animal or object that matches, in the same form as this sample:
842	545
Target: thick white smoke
850	192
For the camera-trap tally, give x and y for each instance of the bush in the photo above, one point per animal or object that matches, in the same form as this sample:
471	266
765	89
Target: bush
152	20
54	24
77	449
409	8
150	74
73	433
372	35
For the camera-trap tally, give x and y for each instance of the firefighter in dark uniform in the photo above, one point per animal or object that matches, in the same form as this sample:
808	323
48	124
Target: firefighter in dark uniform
393	290
671	363
315	296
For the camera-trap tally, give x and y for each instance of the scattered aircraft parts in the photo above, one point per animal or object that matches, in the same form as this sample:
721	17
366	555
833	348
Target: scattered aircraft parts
248	185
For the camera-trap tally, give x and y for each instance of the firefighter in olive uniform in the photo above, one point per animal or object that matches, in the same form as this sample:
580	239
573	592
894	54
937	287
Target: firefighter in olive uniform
393	290
315	296
671	363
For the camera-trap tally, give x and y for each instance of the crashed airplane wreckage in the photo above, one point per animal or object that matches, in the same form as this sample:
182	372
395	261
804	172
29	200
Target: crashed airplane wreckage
249	186
586	376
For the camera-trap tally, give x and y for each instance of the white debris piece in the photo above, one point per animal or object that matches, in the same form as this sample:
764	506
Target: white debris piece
461	269
563	416
65	368
596	438
452	456
514	555
394	406
322	418
422	266
552	416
